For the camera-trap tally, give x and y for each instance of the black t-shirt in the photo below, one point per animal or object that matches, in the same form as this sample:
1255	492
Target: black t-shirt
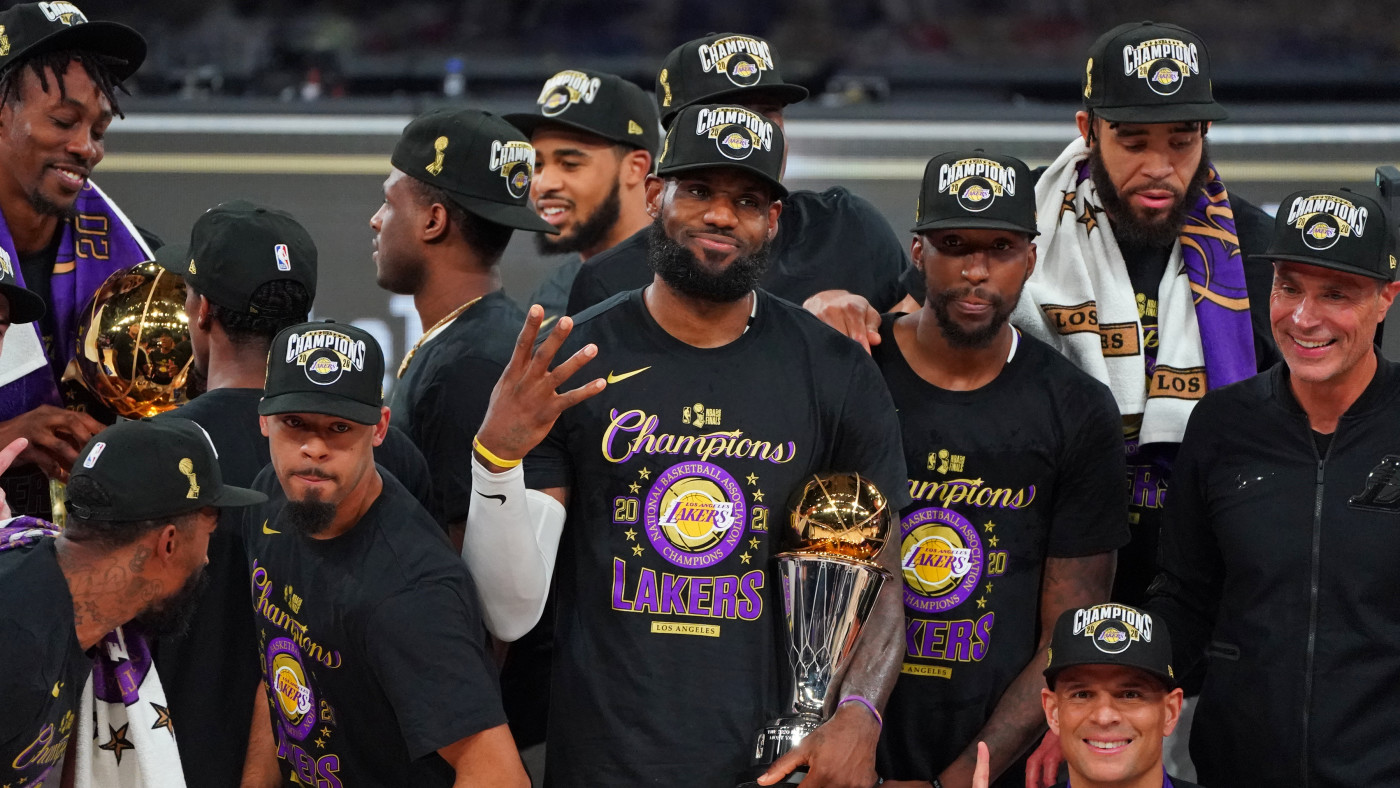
553	292
45	668
1025	468
833	240
371	644
679	472
442	397
210	673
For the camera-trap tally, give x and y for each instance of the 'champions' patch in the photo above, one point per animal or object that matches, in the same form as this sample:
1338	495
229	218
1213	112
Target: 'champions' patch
565	89
324	354
941	558
695	514
739	58
1113	628
976	183
1163	63
737	132
1324	219
515	161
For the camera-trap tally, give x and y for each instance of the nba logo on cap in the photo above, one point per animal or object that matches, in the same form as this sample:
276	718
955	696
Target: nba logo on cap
92	457
284	260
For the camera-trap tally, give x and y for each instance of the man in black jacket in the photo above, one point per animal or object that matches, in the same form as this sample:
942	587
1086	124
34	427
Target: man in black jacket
1282	534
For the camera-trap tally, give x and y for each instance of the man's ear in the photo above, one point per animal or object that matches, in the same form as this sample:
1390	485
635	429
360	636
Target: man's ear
1172	711
636	166
1081	119
167	541
435	225
655	187
775	210
916	252
1030	264
381	429
1050	704
262	425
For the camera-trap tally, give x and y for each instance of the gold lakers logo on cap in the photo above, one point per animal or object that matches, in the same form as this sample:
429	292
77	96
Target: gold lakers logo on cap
737	132
976	182
515	161
1113	628
325	355
439	150
565	89
187	468
1164	63
1324	219
739	58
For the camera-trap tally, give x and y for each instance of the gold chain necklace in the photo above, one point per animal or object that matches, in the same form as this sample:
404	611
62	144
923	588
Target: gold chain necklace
403	367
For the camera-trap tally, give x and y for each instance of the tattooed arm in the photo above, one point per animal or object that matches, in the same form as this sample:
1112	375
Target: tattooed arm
1018	719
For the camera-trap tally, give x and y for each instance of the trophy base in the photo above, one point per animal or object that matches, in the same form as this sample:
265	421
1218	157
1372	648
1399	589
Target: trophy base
774	740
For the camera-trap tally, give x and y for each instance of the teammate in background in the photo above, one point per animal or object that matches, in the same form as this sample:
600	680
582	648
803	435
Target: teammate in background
142	502
384	680
1113	697
663	626
1015	462
595	136
59	78
455	194
1280	536
249	272
833	253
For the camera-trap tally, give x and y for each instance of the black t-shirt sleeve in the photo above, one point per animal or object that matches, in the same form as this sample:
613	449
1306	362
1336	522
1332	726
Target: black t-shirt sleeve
883	253
426	649
1191	568
1090	510
588	289
868	438
399	456
445	418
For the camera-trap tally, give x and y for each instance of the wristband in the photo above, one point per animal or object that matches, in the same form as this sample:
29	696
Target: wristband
493	459
867	704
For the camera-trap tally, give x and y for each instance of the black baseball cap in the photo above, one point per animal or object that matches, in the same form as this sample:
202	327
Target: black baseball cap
481	161
1149	72
152	468
709	136
1111	635
720	68
237	247
604	105
34	28
1338	229
26	306
330	368
976	191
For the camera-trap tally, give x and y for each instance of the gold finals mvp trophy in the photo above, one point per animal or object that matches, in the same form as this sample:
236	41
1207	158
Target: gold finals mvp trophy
837	524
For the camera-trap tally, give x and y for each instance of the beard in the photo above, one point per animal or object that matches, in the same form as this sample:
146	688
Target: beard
1135	230
43	206
591	232
172	615
400	277
311	516
975	338
679	268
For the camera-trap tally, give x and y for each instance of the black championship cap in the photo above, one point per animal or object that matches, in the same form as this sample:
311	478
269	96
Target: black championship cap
1111	635
705	137
237	247
1336	229
34	28
976	191
26	306
481	161
595	103
152	468
721	67
1145	72
329	368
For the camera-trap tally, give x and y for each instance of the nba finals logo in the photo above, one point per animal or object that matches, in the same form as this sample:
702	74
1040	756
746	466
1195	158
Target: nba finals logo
1323	219
740	58
565	89
941	559
1113	628
976	183
1164	63
289	687
515	161
736	132
324	355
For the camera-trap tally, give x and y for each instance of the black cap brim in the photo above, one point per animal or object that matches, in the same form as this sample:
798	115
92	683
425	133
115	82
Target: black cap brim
1162	113
173	258
785	92
1322	262
779	191
529	122
1051	673
326	404
965	223
521	217
230	497
25	306
113	39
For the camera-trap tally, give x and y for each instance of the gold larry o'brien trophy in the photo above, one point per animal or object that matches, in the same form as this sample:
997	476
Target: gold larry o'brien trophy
133	357
838	522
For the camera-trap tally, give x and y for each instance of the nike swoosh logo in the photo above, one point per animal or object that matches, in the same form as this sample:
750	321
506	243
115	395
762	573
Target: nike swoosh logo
499	498
269	531
613	377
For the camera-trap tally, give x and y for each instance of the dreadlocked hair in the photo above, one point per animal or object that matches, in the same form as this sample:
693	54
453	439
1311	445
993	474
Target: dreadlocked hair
53	64
281	304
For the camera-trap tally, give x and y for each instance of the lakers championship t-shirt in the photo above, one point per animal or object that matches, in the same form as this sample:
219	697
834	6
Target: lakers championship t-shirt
371	644
1027	467
667	649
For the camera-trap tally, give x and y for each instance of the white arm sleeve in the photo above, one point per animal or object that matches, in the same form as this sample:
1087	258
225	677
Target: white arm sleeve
511	541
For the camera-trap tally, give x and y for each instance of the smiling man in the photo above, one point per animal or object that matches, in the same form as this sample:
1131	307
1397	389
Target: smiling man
1283	528
1113	697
